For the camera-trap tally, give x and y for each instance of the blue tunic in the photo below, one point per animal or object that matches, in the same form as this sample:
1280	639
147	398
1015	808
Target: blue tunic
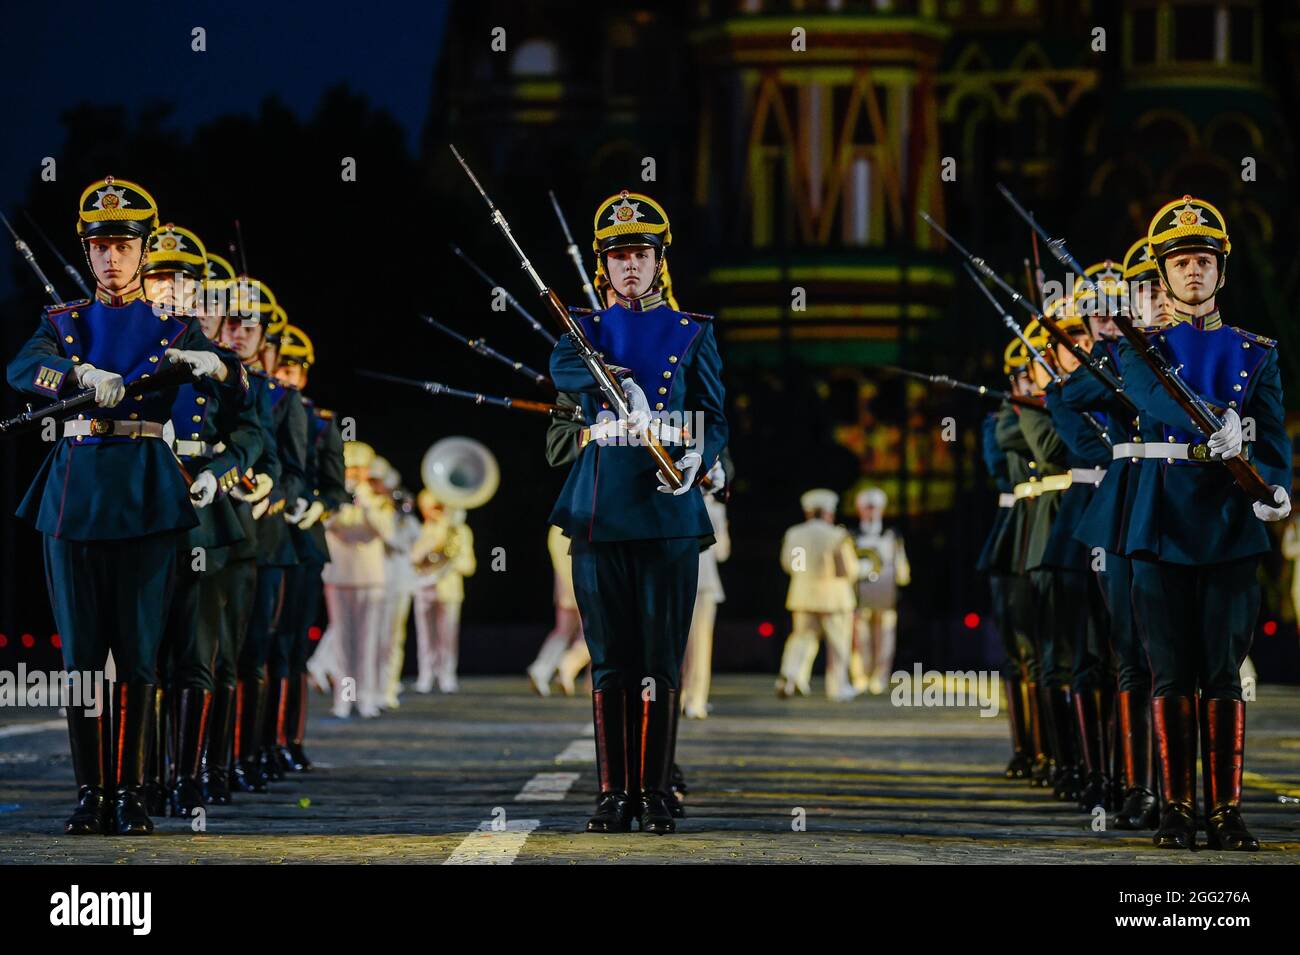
111	487
611	492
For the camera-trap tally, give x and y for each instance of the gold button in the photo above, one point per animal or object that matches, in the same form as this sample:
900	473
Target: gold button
668	374
659	406
596	318
685	322
196	418
153	359
1243	374
133	416
75	358
68	339
672	359
271	385
663	390
162	342
200	400
81	437
134	435
1236	387
1245	344
195	436
81	417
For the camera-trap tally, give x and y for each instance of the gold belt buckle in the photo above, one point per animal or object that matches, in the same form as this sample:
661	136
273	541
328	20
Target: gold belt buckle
99	427
1199	452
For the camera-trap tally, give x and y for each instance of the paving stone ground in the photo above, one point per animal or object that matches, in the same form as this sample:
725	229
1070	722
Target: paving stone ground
423	784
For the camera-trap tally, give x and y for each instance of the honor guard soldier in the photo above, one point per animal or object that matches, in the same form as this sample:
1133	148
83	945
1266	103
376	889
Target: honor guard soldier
111	523
324	493
279	477
635	545
216	436
1194	537
1100	527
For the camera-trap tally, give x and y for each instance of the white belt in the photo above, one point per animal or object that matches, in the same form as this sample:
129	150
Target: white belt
103	427
1006	500
197	449
1087	475
616	429
1161	449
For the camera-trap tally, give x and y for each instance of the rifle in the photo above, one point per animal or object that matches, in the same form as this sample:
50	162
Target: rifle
1206	421
481	346
1095	367
177	374
605	380
25	251
515	404
510	299
572	248
67	266
981	390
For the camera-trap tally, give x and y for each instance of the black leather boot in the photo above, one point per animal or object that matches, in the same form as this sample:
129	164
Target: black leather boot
658	719
273	729
132	705
245	774
216	753
613	804
295	725
1139	809
1223	757
1021	760
1041	770
86	736
155	772
192	708
1066	781
1090	722
1174	718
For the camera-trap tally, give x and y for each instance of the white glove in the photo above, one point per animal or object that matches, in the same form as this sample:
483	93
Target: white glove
1226	442
689	464
717	477
312	516
109	388
260	508
204	364
299	510
1266	513
638	418
204	489
264	485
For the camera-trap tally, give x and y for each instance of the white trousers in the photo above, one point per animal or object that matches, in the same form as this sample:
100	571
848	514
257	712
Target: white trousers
437	632
399	610
568	627
801	650
697	668
875	637
356	617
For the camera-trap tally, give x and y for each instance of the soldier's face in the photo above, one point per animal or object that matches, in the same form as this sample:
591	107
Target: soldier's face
1152	302
245	339
293	375
174	289
115	261
631	270
1193	276
867	511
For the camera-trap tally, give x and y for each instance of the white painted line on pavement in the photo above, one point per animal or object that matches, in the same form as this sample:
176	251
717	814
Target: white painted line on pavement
23	729
547	787
489	847
579	751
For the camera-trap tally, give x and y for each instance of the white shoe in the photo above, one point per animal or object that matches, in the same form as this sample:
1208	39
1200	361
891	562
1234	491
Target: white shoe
541	685
566	681
844	696
448	685
391	703
368	712
696	712
423	688
341	714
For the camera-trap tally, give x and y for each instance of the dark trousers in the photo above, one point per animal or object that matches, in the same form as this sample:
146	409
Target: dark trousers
290	646
1197	623
1129	653
1054	658
636	600
1085	622
111	595
237	585
194	628
1012	602
261	623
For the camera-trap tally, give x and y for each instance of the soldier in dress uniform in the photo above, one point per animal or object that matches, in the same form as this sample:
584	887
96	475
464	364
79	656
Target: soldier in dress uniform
1193	536
111	524
635	542
822	563
279	476
882	569
324	493
215	439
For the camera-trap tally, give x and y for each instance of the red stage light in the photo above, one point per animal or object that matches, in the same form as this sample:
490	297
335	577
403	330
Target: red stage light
765	629
28	640
4	641
1270	627
972	620
313	633
56	641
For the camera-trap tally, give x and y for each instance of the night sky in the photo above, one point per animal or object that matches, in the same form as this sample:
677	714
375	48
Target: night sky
57	55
